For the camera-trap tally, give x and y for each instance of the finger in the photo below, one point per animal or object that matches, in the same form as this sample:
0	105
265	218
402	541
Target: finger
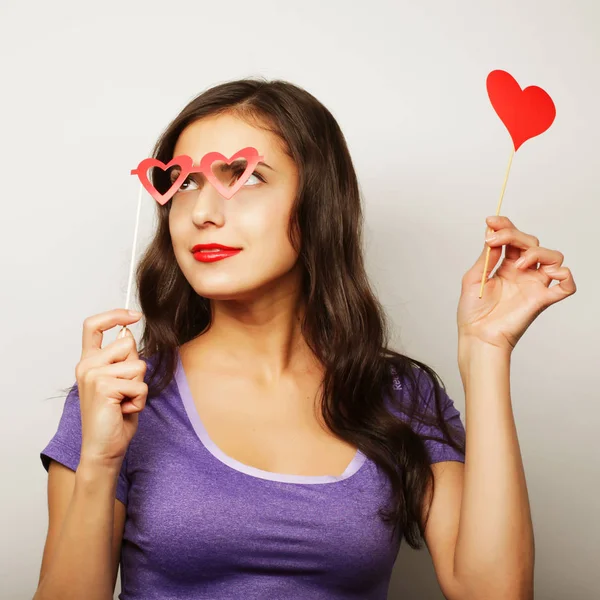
127	391
566	286
96	325
135	399
118	351
548	259
136	405
514	240
128	369
497	222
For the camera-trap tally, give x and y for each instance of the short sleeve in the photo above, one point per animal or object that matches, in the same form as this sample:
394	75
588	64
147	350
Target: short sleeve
65	445
438	451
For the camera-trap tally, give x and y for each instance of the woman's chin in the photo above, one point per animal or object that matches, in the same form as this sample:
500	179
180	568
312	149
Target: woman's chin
227	291
246	286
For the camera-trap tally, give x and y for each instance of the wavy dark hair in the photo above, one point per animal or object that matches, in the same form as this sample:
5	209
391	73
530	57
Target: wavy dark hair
344	324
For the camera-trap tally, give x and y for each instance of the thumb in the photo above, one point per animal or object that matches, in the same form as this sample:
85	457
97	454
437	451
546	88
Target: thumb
124	332
475	273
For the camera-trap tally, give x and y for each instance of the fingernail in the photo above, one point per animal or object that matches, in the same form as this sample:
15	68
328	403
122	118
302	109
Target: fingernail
135	313
491	238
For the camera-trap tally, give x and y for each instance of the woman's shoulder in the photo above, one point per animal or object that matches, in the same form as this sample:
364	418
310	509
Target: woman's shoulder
409	375
420	399
414	386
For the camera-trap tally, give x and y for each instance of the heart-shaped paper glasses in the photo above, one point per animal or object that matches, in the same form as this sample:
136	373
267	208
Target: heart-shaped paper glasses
186	166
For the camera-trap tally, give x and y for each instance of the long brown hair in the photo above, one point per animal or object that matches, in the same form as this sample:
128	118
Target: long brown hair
344	323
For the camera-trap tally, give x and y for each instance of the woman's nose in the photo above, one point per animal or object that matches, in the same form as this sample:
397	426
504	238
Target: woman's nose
208	207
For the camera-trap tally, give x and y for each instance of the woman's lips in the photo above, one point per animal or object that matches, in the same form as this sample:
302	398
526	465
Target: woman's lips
214	254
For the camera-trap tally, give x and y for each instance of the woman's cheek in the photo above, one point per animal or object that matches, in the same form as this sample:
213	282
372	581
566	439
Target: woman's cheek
261	221
176	227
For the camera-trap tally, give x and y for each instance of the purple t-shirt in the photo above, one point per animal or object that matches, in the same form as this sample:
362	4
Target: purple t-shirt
201	524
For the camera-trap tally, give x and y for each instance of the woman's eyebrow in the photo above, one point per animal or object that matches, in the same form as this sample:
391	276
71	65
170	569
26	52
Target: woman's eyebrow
174	173
241	162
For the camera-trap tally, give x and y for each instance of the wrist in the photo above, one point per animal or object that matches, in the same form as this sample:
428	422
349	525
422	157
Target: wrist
91	467
474	354
96	483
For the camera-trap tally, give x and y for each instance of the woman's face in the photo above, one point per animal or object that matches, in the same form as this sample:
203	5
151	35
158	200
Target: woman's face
255	219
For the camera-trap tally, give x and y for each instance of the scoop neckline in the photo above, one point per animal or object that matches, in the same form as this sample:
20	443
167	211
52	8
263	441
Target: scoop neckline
194	417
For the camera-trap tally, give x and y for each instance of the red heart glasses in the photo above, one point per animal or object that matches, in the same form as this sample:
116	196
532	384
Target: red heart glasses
186	167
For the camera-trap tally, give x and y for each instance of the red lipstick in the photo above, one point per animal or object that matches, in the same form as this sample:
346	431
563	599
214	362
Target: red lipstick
212	252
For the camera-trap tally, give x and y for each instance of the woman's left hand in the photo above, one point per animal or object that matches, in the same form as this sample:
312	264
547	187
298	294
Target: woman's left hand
517	293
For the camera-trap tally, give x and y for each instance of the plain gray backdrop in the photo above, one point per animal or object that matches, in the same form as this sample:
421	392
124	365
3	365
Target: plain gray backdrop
86	89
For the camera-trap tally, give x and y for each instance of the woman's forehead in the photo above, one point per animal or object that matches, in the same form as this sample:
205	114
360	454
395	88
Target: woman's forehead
225	134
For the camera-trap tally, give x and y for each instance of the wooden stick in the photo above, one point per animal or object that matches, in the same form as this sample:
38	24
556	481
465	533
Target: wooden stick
487	255
133	249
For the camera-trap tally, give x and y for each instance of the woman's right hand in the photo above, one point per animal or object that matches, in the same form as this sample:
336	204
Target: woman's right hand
112	391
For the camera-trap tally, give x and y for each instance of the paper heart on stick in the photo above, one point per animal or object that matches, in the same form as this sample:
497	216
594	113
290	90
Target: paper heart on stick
525	113
223	183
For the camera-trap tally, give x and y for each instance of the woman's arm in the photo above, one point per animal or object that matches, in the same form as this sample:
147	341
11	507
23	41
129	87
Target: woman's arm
85	529
495	545
480	532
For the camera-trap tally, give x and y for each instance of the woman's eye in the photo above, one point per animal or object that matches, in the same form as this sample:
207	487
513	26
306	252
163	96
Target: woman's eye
186	182
256	176
189	183
254	179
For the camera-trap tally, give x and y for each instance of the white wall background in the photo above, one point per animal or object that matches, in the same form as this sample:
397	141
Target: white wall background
87	87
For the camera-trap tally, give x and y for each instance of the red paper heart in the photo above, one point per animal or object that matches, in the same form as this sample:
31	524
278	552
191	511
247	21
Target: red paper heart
525	113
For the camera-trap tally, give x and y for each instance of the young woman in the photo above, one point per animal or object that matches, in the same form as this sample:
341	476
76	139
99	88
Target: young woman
265	442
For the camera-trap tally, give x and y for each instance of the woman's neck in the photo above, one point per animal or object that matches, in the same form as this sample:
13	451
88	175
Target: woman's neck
262	339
